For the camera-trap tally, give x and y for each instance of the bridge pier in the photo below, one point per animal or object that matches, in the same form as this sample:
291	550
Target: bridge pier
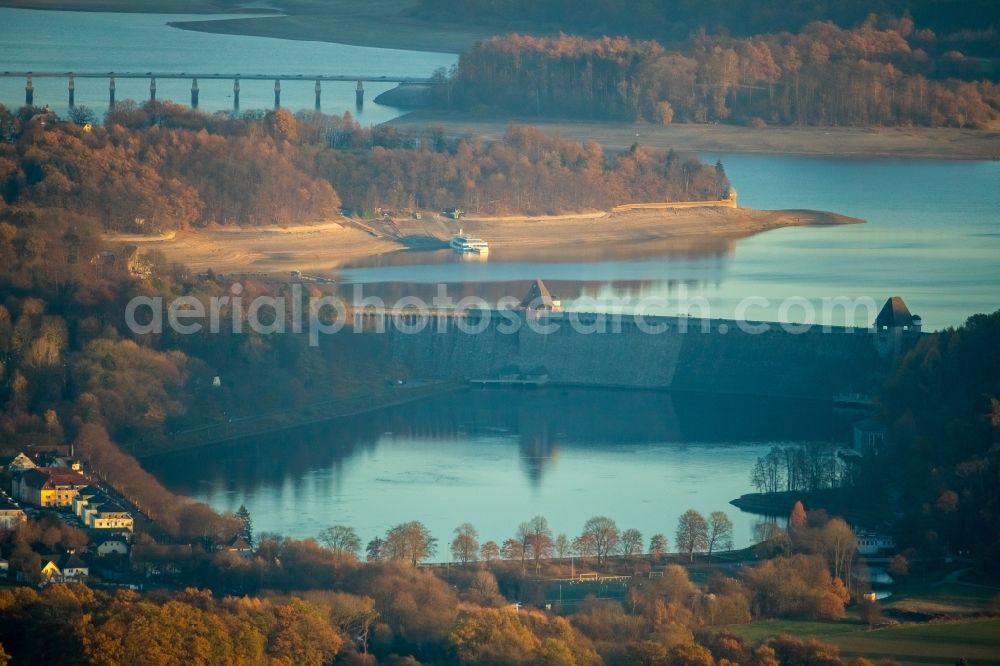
359	95
194	93
29	93
277	94
236	95
72	92
152	89
111	93
318	92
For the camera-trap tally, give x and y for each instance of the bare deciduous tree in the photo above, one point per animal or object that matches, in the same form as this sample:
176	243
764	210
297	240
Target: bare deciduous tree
720	532
341	539
465	544
692	533
631	543
604	535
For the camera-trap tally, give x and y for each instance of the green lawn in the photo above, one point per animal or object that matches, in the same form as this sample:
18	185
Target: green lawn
942	599
977	640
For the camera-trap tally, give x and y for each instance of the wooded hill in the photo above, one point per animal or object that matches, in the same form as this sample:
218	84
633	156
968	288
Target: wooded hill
161	166
878	73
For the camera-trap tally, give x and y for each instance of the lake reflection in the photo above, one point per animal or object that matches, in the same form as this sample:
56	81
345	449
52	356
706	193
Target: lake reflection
932	237
497	458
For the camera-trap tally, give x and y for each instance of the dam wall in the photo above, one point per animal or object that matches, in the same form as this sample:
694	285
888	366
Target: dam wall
716	356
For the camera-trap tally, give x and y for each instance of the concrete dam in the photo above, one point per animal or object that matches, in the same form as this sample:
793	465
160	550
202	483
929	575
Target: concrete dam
536	346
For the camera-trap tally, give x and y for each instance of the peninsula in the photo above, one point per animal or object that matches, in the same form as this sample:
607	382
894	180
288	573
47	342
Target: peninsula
327	245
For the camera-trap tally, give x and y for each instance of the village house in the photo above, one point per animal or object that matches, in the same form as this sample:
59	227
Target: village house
11	514
104	543
48	487
107	515
19	463
99	512
129	258
66	568
64	462
240	547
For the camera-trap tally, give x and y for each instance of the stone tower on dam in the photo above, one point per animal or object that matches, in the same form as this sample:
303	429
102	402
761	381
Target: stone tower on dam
536	344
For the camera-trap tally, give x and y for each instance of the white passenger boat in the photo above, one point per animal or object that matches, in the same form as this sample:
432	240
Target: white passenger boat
467	244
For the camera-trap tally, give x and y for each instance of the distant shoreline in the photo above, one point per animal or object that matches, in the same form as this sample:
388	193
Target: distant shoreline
852	142
377	23
179	7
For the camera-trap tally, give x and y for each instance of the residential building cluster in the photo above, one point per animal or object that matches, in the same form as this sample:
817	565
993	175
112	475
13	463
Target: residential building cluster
47	483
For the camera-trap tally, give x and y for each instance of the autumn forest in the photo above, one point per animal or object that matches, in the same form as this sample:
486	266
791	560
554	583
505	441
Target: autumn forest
881	72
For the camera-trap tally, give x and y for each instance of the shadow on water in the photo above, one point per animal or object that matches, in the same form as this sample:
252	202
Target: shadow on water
541	421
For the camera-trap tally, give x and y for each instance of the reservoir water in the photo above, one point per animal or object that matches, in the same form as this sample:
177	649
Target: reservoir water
932	236
33	40
932	232
498	458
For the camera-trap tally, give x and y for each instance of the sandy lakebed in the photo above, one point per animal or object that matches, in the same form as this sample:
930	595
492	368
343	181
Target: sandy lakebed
325	246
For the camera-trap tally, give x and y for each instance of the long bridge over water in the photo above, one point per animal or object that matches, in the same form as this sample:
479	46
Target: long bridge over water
29	88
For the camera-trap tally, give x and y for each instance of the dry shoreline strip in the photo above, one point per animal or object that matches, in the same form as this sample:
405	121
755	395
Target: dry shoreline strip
325	246
860	142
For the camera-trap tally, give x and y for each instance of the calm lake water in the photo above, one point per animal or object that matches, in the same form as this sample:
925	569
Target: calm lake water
32	40
932	236
498	458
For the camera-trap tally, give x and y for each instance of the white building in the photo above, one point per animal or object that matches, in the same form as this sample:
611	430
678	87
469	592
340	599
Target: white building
99	512
11	514
115	545
871	544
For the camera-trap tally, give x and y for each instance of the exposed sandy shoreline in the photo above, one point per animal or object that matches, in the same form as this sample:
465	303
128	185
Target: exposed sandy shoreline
325	246
898	142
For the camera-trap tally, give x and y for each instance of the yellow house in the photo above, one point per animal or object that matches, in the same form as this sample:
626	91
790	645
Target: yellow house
50	571
44	486
68	568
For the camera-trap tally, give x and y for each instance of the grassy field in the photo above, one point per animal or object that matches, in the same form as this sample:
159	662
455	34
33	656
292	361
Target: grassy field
977	640
947	592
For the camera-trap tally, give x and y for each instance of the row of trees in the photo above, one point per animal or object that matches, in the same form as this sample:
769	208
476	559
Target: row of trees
535	542
824	75
803	468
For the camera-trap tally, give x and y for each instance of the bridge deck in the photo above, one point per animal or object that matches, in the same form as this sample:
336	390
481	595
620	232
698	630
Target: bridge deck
215	75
